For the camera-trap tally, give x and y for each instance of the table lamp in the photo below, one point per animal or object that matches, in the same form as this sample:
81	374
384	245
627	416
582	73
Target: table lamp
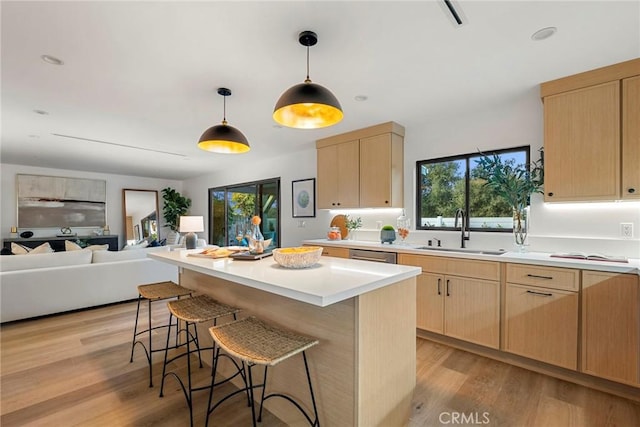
191	225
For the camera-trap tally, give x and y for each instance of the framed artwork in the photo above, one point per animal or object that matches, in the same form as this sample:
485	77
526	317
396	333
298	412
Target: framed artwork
54	201
304	198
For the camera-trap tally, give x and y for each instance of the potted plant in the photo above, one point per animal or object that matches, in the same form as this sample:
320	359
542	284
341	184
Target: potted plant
387	234
175	206
514	184
352	225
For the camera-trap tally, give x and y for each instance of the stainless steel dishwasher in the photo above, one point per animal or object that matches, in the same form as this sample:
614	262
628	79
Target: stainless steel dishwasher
376	256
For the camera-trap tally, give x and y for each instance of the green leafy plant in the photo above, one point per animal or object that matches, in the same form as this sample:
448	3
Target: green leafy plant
388	227
352	224
513	183
175	206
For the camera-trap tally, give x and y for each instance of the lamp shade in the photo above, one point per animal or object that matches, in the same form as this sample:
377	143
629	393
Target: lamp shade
307	106
191	224
223	139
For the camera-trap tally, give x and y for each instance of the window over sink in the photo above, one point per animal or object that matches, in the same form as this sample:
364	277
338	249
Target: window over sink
449	183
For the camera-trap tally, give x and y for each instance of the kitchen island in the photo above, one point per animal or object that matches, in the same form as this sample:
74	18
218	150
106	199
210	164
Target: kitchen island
364	315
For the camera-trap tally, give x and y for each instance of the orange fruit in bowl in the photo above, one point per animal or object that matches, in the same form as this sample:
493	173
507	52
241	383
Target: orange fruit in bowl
256	220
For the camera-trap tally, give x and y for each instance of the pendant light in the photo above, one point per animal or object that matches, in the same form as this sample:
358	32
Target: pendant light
224	138
307	105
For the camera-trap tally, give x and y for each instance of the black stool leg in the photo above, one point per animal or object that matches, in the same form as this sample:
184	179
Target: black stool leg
253	402
264	387
135	329
150	349
166	352
216	357
316	421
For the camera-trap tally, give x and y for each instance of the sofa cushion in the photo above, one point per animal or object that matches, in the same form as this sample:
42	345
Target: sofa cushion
113	256
45	260
71	246
44	248
19	249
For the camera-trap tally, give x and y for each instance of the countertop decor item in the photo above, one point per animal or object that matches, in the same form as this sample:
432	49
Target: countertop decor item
340	221
191	225
298	257
387	234
352	225
307	105
223	138
515	184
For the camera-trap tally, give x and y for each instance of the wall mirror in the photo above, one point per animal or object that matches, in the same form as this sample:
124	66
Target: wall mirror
140	210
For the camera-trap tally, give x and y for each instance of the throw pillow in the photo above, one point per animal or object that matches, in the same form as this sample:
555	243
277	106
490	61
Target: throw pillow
44	248
71	246
19	249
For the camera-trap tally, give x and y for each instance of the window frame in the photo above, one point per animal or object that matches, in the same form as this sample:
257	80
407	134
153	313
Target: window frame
466	158
230	187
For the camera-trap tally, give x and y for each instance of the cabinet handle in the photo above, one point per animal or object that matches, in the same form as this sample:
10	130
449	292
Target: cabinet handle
535	276
550	194
338	203
448	294
631	190
542	294
386	201
333	204
439	293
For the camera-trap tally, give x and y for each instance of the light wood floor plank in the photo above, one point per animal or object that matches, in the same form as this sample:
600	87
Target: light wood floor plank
74	369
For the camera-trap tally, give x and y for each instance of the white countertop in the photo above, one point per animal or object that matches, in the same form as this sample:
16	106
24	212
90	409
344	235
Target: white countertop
330	281
537	258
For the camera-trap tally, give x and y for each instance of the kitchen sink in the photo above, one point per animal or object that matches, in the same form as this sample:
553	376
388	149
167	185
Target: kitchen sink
461	250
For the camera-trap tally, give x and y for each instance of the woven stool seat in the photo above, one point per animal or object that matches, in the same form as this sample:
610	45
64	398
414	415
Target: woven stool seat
162	290
256	342
200	308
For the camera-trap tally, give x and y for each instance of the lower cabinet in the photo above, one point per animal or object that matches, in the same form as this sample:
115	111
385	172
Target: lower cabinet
541	313
542	324
611	326
334	252
467	308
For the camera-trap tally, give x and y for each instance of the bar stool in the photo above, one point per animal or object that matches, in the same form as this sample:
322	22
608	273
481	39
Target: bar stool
154	292
198	309
257	343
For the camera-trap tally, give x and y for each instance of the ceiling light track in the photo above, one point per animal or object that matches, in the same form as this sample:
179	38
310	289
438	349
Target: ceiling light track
119	145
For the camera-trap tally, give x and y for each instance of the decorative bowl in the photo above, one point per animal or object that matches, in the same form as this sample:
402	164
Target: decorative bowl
297	257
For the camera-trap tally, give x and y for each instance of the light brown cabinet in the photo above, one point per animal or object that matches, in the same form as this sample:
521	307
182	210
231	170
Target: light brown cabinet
459	298
631	138
592	136
541	314
363	168
335	252
611	326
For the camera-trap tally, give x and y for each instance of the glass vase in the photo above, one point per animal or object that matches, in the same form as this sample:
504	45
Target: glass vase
521	228
256	240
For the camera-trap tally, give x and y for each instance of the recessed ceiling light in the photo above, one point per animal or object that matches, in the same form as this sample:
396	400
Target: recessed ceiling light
41	112
361	98
34	136
543	33
51	60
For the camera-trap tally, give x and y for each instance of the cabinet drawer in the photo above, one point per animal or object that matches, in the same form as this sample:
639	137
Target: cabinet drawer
546	277
335	252
477	269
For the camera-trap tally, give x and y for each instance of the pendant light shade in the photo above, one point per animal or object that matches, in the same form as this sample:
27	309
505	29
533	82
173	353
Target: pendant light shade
223	138
307	105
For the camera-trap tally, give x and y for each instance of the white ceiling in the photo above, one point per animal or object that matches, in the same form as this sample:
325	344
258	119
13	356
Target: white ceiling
144	74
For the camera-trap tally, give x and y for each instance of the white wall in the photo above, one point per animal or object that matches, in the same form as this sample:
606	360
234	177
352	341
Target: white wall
115	185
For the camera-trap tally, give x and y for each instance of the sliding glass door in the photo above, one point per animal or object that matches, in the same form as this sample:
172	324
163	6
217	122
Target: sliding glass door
231	208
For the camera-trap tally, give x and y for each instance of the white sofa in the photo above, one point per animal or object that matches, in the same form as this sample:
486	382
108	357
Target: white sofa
40	284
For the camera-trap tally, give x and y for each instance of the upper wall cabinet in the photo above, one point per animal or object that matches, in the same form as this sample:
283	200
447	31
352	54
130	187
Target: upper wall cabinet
592	134
363	168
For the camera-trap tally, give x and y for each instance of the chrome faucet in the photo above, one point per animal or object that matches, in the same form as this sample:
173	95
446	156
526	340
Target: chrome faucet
463	225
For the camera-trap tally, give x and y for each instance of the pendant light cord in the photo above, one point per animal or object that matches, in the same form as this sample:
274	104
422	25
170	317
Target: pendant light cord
307	80
224	110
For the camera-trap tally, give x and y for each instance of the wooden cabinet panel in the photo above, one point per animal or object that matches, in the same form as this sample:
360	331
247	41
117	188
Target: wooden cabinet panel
631	138
472	310
611	326
430	302
542	324
338	176
547	277
335	252
582	144
454	266
381	177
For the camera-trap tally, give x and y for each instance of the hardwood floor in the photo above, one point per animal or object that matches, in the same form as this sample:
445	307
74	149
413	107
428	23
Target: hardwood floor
74	369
